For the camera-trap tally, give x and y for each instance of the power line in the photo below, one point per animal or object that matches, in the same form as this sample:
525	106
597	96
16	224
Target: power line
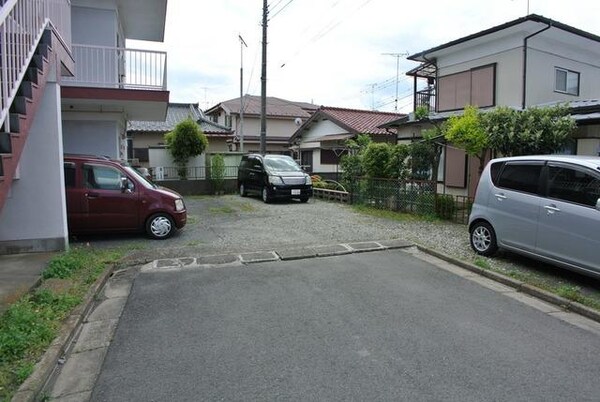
281	9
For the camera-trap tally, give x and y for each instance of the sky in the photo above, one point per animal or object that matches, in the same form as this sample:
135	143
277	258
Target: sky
342	53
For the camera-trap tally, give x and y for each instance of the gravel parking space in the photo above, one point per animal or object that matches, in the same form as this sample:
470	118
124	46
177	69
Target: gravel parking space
230	223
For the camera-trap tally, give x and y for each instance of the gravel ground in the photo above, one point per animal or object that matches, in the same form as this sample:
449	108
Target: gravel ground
228	224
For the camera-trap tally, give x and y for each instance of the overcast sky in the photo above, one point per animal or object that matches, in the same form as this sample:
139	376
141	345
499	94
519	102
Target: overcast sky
329	52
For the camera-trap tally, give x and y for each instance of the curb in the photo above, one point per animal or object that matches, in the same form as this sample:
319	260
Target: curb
522	287
32	387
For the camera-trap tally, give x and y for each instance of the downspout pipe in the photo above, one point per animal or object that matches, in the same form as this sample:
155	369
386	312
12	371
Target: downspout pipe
524	98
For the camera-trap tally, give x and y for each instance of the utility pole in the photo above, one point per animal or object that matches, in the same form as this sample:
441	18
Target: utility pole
263	83
242	44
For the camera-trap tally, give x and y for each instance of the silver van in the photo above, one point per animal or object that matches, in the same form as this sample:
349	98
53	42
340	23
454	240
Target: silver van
545	207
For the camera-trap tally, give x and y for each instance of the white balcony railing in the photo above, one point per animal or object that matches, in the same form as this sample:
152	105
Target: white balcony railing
116	67
22	23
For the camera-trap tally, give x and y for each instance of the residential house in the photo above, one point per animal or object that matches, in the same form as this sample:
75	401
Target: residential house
531	61
145	135
69	85
320	142
283	117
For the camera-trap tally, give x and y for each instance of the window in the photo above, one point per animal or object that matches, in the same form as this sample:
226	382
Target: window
228	120
473	87
331	157
102	177
573	185
523	177
69	169
566	81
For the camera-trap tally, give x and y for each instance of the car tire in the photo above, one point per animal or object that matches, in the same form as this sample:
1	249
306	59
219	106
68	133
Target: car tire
483	239
304	199
265	195
243	191
160	226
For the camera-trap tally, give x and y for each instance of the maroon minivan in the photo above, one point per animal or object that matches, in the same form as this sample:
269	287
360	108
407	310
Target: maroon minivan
105	195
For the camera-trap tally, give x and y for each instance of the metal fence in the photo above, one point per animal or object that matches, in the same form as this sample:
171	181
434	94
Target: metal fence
409	196
191	173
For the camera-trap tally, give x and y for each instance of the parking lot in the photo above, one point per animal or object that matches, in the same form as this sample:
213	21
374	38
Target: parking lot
230	223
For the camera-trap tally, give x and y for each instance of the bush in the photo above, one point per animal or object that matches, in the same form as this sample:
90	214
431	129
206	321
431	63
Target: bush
217	172
445	206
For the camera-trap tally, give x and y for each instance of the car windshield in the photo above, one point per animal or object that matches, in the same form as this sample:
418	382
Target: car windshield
282	165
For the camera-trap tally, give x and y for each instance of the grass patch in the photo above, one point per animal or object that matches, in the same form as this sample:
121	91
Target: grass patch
32	322
392	215
481	263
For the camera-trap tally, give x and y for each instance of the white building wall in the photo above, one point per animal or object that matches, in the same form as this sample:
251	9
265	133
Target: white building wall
322	128
96	137
542	62
509	71
34	216
588	146
94	26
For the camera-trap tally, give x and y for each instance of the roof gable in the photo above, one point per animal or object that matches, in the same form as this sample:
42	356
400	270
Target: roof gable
276	107
354	121
524	25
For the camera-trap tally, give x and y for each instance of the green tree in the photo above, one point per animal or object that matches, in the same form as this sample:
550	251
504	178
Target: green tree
376	159
217	172
528	132
184	142
397	166
468	132
351	163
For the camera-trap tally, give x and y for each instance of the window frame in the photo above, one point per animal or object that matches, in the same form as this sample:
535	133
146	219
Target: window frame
573	167
568	72
539	190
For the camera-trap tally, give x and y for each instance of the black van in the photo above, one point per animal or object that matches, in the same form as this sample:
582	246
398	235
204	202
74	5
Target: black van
273	177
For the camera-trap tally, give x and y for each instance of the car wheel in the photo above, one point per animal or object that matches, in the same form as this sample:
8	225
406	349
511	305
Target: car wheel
483	239
243	191
160	226
304	199
265	195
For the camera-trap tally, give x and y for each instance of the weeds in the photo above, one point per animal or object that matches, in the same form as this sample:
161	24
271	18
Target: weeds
482	263
32	322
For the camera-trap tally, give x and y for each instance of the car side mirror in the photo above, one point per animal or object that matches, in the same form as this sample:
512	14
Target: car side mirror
125	185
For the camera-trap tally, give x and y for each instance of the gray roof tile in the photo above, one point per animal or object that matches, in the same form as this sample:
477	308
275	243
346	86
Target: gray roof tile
177	112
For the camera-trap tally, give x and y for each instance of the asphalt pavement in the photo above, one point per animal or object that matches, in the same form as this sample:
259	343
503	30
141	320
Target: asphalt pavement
385	325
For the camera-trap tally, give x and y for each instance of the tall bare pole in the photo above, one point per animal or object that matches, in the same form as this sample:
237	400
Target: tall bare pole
263	83
242	44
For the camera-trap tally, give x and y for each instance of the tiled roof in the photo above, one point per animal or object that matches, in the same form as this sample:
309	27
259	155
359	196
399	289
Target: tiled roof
176	113
360	121
355	121
276	107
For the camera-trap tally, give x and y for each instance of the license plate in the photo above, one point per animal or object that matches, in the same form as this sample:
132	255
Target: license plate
295	191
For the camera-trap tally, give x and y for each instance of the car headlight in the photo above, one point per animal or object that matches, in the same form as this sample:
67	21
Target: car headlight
308	181
275	180
179	205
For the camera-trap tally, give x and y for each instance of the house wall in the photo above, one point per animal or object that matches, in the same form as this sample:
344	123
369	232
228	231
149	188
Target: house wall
544	56
588	146
34	216
96	137
320	129
275	127
94	26
508	59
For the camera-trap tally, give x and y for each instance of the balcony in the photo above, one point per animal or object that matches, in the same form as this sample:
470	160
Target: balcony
118	68
426	97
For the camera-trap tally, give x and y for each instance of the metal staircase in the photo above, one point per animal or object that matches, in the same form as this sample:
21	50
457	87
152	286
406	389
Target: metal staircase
25	56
